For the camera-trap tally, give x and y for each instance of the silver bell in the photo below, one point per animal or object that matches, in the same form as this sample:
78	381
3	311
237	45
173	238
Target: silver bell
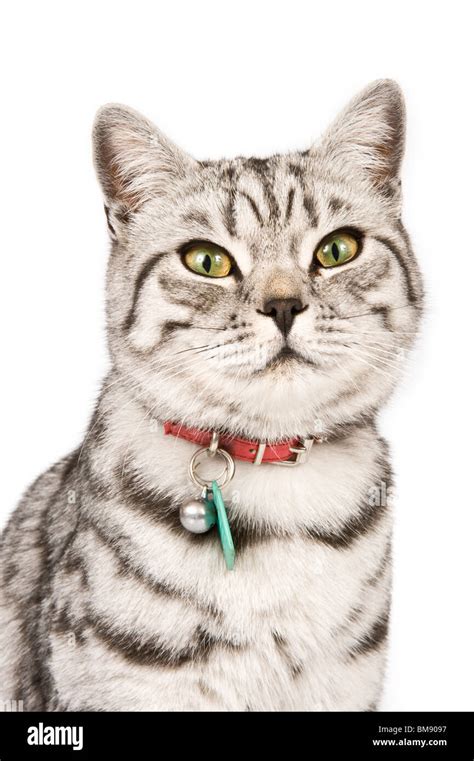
197	516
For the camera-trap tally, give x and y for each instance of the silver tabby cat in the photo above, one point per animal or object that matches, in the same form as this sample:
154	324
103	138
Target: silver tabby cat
265	298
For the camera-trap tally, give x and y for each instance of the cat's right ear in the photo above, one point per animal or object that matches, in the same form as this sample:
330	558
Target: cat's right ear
134	161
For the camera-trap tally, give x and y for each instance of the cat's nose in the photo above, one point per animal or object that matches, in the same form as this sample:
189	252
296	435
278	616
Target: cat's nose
283	311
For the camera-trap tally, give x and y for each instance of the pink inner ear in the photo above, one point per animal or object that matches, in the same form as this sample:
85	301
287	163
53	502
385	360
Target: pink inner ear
134	161
117	156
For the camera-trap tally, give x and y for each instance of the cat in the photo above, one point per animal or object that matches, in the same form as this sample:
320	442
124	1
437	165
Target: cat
267	300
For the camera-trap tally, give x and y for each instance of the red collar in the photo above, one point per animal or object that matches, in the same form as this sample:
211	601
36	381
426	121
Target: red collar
290	452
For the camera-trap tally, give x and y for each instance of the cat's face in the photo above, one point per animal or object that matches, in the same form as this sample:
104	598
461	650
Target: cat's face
270	297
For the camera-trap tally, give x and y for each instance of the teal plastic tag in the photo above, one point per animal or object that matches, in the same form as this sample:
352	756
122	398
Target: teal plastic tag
225	534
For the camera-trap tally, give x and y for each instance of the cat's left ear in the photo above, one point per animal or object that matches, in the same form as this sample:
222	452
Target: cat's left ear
368	137
134	160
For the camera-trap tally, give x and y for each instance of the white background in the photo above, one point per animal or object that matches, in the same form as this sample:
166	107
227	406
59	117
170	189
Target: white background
249	78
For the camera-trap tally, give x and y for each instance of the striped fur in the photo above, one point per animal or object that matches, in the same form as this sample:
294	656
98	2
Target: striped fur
106	602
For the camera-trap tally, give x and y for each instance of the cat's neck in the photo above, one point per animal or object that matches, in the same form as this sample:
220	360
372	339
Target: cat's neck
130	454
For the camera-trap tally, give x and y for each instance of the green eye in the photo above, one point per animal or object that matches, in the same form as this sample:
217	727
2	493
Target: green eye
337	249
208	259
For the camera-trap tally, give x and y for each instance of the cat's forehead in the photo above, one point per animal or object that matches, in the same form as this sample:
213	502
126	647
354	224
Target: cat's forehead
269	204
287	190
270	198
268	176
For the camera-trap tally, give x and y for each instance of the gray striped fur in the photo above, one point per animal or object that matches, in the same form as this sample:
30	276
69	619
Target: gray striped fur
106	603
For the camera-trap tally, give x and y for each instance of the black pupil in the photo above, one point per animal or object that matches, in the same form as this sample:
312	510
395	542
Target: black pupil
335	251
207	263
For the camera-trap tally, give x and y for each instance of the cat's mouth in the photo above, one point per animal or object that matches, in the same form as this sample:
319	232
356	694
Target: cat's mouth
287	356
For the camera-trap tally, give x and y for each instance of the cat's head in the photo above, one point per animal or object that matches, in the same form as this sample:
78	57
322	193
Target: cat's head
271	297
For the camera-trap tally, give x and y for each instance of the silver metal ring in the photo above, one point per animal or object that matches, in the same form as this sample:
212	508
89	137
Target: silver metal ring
214	444
224	477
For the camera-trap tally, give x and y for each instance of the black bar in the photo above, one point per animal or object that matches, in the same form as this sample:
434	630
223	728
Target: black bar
310	735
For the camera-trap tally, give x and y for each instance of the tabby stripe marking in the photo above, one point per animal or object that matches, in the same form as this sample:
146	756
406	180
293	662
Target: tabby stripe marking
373	639
139	283
356	527
412	298
289	205
152	652
253	206
309	207
130	569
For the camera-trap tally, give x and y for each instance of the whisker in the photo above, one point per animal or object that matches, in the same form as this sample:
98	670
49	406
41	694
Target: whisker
365	314
364	357
202	327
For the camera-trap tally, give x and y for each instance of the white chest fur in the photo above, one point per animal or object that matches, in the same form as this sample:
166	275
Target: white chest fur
286	567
